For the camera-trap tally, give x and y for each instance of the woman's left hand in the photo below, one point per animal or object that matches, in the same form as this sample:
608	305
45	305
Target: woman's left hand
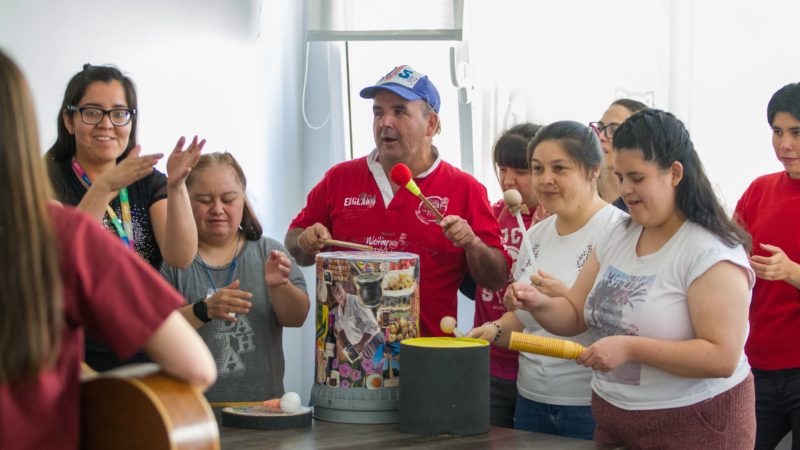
606	353
181	162
775	267
277	268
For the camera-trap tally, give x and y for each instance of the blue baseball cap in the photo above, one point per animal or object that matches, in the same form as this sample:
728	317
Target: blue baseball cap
408	84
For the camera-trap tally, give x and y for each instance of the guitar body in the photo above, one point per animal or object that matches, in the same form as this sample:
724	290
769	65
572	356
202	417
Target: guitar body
141	408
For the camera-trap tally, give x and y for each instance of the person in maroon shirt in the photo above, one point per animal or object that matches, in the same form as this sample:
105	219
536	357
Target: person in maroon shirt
56	284
356	201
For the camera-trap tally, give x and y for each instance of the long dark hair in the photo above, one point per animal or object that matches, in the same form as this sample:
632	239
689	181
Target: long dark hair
250	224
31	305
64	147
663	139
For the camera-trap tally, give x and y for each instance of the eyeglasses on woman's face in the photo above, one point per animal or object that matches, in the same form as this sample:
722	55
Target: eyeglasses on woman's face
92	115
607	130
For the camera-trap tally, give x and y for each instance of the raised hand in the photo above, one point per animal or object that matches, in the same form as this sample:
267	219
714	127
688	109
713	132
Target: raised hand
181	162
276	269
131	169
229	299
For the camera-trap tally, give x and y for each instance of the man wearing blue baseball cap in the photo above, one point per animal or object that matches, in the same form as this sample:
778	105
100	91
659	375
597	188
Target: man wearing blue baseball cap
358	202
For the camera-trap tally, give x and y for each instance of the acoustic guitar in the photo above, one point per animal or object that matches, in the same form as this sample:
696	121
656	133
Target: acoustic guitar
139	407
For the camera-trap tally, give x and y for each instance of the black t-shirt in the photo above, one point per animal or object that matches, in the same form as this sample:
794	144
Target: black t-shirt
141	195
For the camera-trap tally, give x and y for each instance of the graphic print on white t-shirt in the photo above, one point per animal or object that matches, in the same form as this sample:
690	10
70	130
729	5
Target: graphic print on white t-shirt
233	339
606	305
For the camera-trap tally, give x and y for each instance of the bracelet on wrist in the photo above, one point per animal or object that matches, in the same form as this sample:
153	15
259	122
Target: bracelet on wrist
499	330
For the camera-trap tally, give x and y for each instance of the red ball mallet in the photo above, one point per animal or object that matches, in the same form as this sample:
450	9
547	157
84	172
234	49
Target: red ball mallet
401	175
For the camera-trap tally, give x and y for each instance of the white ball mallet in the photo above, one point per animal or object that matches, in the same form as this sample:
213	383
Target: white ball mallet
513	200
448	326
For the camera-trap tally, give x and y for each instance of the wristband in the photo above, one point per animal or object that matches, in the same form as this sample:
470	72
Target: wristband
200	310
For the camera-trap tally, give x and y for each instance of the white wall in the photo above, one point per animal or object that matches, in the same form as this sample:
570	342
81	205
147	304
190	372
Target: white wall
714	64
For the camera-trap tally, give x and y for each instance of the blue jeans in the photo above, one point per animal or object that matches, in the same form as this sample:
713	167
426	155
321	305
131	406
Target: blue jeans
777	407
570	421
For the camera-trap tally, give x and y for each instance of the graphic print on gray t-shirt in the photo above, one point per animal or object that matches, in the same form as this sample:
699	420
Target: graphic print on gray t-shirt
233	339
616	297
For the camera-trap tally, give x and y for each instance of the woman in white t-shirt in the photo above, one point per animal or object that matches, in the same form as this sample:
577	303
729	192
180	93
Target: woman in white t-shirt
566	159
666	296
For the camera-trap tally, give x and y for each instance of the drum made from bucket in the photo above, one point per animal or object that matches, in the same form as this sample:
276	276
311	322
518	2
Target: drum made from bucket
367	303
445	389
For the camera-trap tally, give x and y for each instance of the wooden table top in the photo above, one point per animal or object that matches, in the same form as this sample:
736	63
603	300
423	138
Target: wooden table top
329	435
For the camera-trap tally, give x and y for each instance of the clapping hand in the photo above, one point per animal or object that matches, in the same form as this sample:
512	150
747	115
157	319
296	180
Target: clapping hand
229	299
131	169
276	269
181	162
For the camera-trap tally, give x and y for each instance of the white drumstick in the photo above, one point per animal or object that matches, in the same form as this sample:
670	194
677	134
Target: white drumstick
513	200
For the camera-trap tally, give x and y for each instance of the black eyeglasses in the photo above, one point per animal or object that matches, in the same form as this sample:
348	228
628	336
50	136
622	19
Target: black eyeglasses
607	130
92	115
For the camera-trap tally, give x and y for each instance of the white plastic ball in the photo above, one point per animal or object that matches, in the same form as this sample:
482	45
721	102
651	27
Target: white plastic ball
512	198
447	324
290	402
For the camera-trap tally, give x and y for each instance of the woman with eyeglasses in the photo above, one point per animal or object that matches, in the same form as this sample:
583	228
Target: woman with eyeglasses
96	165
617	112
57	283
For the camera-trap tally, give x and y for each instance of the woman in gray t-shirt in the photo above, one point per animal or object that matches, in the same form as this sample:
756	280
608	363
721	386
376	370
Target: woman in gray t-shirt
242	288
